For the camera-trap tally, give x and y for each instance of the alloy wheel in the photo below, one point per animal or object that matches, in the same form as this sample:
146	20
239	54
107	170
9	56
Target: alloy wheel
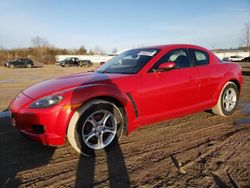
99	129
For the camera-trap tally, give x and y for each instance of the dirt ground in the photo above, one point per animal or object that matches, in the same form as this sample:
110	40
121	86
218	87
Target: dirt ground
199	150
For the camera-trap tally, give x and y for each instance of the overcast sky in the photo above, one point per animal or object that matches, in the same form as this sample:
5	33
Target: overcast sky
123	24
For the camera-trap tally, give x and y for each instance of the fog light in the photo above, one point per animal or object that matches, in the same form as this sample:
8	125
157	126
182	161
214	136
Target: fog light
39	129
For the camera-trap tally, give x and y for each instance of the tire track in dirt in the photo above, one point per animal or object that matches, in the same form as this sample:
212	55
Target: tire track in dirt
63	158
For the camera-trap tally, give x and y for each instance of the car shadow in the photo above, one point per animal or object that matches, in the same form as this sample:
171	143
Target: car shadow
219	183
117	171
18	154
37	66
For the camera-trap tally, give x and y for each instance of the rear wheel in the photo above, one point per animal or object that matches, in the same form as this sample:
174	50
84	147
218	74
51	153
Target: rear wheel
228	100
28	66
95	127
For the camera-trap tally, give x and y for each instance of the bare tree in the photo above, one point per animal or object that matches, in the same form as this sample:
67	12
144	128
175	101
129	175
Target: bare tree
39	42
98	50
246	36
82	50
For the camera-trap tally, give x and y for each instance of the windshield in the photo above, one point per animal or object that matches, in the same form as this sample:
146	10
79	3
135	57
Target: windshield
129	62
13	60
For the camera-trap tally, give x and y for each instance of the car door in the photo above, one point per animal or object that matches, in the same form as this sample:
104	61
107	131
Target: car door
24	62
172	91
14	63
203	66
19	63
76	62
73	62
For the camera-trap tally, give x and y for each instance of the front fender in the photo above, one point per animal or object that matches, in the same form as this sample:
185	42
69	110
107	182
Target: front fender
81	95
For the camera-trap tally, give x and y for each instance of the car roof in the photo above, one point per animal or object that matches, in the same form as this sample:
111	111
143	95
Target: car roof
167	46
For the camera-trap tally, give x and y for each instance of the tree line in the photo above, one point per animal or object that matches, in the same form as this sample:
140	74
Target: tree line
41	51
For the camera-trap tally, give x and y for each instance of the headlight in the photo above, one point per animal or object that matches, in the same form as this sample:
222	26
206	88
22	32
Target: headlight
46	102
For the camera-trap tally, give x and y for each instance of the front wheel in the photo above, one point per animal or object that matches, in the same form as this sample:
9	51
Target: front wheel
28	66
66	65
96	126
228	100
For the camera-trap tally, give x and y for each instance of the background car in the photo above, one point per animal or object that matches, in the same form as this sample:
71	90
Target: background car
246	59
235	58
136	88
74	61
85	63
27	63
225	59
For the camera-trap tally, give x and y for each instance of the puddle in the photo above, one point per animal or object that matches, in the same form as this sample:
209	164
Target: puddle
242	121
4	114
245	107
6	81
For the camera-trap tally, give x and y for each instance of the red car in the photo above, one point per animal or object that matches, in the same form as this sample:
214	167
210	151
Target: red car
136	88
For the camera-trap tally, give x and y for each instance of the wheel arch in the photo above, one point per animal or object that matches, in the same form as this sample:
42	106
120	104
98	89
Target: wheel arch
118	104
82	96
229	77
237	83
110	99
80	110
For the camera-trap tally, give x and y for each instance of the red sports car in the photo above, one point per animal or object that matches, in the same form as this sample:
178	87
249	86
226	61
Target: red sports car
136	88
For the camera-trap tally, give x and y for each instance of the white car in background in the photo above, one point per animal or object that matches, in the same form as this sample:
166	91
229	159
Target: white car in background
234	58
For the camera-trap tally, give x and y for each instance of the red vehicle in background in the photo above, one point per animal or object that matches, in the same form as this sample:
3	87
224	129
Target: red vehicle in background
136	88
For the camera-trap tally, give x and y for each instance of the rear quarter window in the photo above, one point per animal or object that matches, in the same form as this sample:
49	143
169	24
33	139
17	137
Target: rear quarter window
202	57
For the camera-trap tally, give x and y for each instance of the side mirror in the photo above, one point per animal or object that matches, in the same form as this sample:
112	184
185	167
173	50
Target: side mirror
166	66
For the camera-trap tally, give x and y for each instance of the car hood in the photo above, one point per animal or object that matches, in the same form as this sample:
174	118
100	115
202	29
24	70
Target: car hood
60	84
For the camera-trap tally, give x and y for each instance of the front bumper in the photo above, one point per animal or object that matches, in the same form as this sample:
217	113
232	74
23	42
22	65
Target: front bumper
44	139
52	122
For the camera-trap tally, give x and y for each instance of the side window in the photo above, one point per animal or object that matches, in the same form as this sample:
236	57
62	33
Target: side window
201	57
179	57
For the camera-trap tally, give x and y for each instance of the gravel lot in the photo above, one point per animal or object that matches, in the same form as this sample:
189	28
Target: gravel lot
213	151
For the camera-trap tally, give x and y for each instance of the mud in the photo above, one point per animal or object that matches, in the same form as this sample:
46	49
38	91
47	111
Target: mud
199	150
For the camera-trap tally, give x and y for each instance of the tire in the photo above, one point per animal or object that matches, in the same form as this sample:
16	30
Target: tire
95	127
228	100
28	66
